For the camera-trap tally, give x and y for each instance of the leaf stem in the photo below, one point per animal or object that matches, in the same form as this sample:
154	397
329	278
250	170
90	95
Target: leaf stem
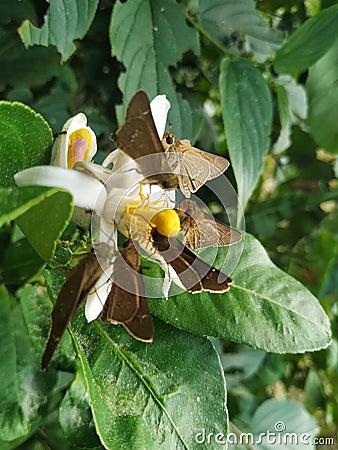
239	433
208	36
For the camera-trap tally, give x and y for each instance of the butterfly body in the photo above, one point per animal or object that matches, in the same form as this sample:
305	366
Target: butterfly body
194	167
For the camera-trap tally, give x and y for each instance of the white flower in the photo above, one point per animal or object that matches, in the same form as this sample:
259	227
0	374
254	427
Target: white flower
76	142
130	211
114	195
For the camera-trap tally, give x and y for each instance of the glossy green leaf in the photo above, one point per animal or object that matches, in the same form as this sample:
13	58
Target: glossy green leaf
323	115
24	387
20	263
265	308
150	396
65	21
221	18
247	116
42	214
44	223
308	43
25	140
147	60
76	418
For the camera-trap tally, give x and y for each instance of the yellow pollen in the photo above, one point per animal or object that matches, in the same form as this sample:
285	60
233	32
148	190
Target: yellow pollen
78	146
166	222
130	209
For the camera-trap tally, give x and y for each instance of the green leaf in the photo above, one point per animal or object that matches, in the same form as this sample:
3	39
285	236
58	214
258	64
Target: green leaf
16	12
265	308
308	43
25	140
247	115
318	253
76	418
150	396
54	105
20	263
65	21
140	32
224	17
44	223
292	107
23	68
240	365
24	387
284	417
323	115
41	213
36	308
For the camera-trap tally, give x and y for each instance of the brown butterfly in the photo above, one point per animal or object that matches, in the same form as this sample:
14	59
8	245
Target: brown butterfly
129	307
194	166
138	137
202	230
123	307
73	293
195	274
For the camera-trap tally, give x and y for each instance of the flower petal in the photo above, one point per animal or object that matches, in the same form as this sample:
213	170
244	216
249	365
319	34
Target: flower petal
76	142
93	170
160	106
97	299
85	190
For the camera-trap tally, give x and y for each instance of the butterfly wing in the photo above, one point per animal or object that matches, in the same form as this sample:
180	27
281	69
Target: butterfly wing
193	166
138	137
141	326
122	305
202	230
72	294
195	274
200	166
129	307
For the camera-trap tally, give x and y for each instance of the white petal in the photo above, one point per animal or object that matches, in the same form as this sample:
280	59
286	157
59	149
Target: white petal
166	286
97	299
61	145
103	232
159	109
93	170
88	192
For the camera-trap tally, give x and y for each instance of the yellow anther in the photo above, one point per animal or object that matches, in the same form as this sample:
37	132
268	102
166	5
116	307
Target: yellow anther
142	196
166	222
78	146
130	209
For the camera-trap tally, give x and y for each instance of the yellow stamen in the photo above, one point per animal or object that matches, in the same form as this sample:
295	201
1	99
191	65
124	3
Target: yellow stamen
78	146
142	196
